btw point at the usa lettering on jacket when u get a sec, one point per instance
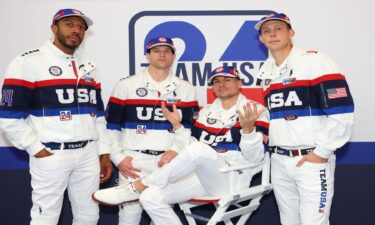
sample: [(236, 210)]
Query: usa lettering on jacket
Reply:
[(66, 96)]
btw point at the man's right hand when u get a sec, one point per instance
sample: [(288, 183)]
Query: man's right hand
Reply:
[(126, 168), (43, 153), (172, 116)]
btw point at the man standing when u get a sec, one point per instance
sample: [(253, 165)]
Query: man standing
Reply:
[(311, 115), (51, 107), (142, 138), (224, 134)]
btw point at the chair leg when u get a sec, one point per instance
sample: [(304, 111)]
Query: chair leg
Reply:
[(187, 212), (217, 217), (243, 219)]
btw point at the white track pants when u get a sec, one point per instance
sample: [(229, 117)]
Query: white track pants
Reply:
[(303, 194), (131, 213), (193, 173), (76, 169)]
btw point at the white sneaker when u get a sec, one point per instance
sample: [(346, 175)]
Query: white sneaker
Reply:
[(116, 195)]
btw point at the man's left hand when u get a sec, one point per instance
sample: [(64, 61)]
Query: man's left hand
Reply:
[(105, 168)]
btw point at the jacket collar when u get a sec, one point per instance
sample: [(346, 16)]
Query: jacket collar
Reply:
[(171, 82), (226, 116), (269, 70), (56, 51)]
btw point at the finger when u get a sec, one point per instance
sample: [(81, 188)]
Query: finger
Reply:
[(163, 107), (161, 160), (167, 160), (261, 111), (130, 167), (239, 113), (302, 161), (131, 174), (160, 163), (133, 169), (246, 110), (123, 173), (174, 108), (105, 176)]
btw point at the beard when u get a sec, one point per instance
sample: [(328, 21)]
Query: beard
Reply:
[(64, 40)]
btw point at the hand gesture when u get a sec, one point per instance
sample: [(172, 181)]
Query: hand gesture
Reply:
[(249, 116), (126, 168), (173, 117)]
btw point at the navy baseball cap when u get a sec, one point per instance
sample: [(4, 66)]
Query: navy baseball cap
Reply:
[(158, 41), (226, 71), (273, 16), (62, 13)]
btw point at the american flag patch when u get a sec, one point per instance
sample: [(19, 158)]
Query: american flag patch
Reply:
[(336, 93)]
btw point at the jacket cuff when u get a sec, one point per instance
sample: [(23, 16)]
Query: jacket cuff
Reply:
[(250, 137), (35, 148), (117, 158), (103, 149), (324, 153)]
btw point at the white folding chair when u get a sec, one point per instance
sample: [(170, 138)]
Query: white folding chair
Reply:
[(228, 207)]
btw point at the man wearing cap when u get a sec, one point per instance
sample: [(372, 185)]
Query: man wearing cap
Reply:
[(142, 139), (52, 108), (224, 134), (311, 115)]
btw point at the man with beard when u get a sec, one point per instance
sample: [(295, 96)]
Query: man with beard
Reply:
[(52, 108)]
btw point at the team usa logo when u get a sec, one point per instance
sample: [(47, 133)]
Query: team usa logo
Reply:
[(220, 149), (88, 78), (289, 81), (211, 121), (141, 129), (267, 82), (290, 117), (173, 100), (55, 70), (195, 32), (65, 115), (141, 92), (323, 190)]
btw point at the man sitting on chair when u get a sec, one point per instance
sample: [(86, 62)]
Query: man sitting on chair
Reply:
[(224, 135)]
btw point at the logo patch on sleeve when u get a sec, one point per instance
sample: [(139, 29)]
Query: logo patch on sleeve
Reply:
[(336, 93), (7, 97)]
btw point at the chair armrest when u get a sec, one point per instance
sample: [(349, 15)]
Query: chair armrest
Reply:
[(241, 167)]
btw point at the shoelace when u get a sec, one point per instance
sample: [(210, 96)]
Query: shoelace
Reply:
[(128, 187)]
